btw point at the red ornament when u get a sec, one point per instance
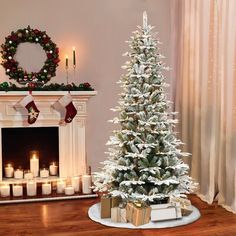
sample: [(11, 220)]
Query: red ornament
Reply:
[(87, 85), (14, 37), (31, 86), (56, 60), (49, 55)]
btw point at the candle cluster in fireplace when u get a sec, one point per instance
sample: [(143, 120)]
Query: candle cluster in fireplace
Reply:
[(32, 188), (34, 170), (26, 183)]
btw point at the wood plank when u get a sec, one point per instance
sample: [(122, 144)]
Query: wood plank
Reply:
[(71, 218)]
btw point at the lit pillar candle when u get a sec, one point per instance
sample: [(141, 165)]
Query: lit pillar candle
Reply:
[(66, 62), (28, 174), (9, 171), (18, 174), (74, 59), (34, 163), (76, 181), (5, 190), (31, 188), (46, 189), (69, 190), (61, 186), (86, 184), (17, 190), (44, 173), (53, 169)]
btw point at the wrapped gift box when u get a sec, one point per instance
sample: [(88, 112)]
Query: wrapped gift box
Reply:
[(105, 207), (115, 201), (185, 205), (108, 202), (167, 211), (138, 213), (123, 218), (118, 214)]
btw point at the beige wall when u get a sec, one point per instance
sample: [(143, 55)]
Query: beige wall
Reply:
[(98, 29)]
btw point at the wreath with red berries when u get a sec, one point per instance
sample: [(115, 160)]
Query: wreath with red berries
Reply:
[(9, 49)]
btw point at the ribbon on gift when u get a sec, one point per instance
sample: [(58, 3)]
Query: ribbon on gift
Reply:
[(139, 204), (138, 212), (184, 203)]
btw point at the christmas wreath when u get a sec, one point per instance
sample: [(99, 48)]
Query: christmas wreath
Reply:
[(12, 67)]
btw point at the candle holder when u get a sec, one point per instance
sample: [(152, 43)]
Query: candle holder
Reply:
[(9, 170), (28, 174), (67, 76), (5, 190), (44, 173), (46, 188), (53, 169), (19, 173), (74, 72), (69, 190), (17, 190), (61, 184), (31, 187), (76, 183)]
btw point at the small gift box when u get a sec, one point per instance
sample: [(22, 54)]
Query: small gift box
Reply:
[(108, 202), (185, 205), (118, 214), (167, 211), (138, 213), (105, 206), (123, 218), (115, 201)]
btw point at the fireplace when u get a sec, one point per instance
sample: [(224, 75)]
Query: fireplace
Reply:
[(69, 149), (18, 143)]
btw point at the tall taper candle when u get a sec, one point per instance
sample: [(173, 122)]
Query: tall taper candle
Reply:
[(74, 60), (66, 62)]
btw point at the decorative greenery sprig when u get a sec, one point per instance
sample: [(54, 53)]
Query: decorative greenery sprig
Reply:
[(5, 86)]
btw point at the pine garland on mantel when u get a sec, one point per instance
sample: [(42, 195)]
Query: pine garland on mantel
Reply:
[(5, 86)]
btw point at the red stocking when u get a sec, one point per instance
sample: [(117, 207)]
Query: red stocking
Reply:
[(66, 102), (33, 111)]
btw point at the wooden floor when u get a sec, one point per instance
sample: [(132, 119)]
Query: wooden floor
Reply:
[(70, 218)]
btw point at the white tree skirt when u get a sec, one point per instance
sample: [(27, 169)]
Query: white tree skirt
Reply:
[(94, 214)]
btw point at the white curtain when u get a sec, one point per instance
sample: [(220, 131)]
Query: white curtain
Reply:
[(204, 33)]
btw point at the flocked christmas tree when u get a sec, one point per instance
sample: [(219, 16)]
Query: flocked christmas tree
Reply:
[(144, 156)]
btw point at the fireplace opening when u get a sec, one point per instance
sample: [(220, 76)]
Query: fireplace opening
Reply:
[(19, 144)]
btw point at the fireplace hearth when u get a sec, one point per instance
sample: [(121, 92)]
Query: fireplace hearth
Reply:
[(18, 143), (53, 140)]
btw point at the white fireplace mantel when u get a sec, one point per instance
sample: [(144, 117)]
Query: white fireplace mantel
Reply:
[(72, 158)]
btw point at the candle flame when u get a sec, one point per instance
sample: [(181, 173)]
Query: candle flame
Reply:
[(73, 48), (67, 57)]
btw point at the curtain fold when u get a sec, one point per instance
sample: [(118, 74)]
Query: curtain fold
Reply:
[(205, 72)]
